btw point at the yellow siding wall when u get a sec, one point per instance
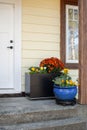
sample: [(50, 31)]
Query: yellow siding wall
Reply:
[(40, 32)]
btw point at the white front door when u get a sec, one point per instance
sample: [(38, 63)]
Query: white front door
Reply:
[(7, 49)]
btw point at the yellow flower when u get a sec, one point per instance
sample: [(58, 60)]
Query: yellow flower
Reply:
[(71, 82), (67, 81), (66, 71), (33, 69), (74, 83), (62, 81), (41, 68), (37, 70)]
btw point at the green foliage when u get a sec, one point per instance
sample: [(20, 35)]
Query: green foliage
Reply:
[(64, 80)]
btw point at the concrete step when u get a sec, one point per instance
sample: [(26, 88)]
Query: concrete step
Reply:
[(25, 114), (9, 118), (26, 111), (64, 124)]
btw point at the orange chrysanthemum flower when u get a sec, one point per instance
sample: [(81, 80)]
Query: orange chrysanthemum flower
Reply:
[(52, 64)]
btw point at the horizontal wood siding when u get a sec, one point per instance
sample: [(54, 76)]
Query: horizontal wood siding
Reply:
[(40, 32)]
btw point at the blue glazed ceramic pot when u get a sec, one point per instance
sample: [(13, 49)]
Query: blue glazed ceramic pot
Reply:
[(65, 93)]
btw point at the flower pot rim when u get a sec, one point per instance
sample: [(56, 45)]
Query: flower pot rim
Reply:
[(65, 87)]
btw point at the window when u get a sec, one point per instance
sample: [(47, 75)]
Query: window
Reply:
[(69, 33)]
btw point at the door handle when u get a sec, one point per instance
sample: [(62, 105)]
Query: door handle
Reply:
[(10, 47)]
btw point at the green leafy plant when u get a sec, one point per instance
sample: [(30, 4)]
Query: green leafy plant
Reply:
[(64, 80)]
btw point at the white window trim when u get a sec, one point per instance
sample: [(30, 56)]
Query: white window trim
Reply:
[(17, 54), (69, 7)]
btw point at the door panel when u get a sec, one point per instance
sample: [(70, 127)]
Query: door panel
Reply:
[(6, 53)]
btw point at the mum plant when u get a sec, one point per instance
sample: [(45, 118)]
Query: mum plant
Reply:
[(48, 65), (64, 80), (52, 64)]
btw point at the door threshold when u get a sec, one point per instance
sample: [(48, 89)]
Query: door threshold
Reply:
[(22, 94)]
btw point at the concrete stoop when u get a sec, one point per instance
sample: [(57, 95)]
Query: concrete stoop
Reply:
[(64, 124), (36, 116), (23, 114)]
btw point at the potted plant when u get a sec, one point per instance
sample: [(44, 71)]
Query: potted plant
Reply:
[(65, 89), (52, 65), (38, 81)]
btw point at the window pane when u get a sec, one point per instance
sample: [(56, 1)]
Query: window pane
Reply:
[(72, 35), (70, 14), (73, 40), (76, 14)]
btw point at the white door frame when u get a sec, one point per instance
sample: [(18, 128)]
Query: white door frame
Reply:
[(17, 47)]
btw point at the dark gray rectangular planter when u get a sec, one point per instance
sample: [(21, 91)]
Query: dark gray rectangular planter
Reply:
[(39, 85)]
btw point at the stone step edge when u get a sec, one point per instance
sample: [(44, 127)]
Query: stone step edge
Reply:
[(46, 124), (37, 116), (26, 110)]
